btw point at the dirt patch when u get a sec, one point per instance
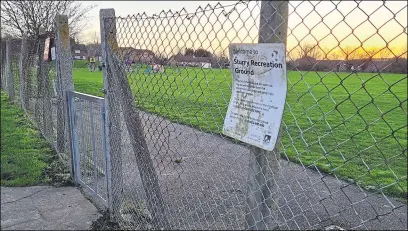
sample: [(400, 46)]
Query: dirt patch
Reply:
[(104, 223), (57, 173)]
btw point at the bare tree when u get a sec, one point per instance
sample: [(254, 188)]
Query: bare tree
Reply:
[(94, 47), (333, 55), (349, 52), (200, 52), (383, 54), (189, 51), (27, 17), (308, 50), (403, 51)]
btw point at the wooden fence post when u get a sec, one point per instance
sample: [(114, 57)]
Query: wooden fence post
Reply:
[(262, 188), (112, 126)]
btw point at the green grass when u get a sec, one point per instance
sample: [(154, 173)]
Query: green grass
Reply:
[(357, 130), (24, 154), (82, 64)]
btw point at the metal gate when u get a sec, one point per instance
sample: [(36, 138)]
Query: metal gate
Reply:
[(87, 130)]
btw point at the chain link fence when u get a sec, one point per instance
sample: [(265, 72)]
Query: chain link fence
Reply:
[(342, 159), (29, 81)]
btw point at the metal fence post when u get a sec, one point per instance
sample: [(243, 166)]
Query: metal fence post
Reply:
[(23, 74), (264, 171), (64, 80), (9, 74), (112, 126), (72, 137)]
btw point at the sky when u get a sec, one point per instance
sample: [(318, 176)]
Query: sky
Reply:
[(329, 24), (125, 8)]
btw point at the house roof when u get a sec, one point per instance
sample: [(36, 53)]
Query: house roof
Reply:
[(191, 59), (378, 63), (94, 50), (78, 47), (135, 51)]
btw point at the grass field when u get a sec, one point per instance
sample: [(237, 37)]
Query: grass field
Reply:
[(353, 125), (24, 154)]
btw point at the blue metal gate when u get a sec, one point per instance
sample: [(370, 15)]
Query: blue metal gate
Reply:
[(88, 144)]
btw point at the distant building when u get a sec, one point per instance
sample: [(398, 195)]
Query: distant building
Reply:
[(191, 60), (94, 50), (393, 65), (137, 55), (79, 51)]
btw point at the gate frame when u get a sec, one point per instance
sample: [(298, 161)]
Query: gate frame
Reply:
[(75, 158)]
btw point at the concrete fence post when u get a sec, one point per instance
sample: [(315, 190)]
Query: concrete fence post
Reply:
[(113, 130), (3, 63), (9, 74), (148, 175), (262, 192), (23, 69), (39, 93), (46, 107), (64, 81)]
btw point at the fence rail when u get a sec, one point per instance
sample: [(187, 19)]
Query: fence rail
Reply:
[(341, 157)]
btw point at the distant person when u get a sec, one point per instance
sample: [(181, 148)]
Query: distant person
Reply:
[(92, 62), (353, 70), (128, 65)]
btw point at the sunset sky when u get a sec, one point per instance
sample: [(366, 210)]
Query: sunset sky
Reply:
[(217, 30)]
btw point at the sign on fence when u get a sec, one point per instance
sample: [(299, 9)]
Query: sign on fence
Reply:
[(47, 49), (258, 93)]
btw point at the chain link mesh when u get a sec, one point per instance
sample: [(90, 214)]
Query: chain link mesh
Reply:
[(342, 159), (3, 66), (343, 156), (33, 79)]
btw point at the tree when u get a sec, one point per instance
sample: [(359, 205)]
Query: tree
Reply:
[(200, 52), (402, 51), (383, 54), (189, 52), (352, 52), (333, 55), (94, 48), (308, 50), (21, 18)]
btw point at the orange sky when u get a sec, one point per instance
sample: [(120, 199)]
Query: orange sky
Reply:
[(330, 23)]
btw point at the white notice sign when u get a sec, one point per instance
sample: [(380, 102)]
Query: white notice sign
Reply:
[(258, 93), (53, 53)]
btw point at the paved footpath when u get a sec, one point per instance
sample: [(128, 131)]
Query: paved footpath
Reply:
[(45, 207)]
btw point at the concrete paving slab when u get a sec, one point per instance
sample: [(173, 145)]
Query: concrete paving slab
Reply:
[(45, 208)]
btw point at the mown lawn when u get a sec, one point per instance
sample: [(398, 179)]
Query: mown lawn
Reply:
[(24, 153), (351, 125)]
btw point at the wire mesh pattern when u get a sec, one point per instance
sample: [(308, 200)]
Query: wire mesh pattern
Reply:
[(33, 82), (87, 116), (3, 66), (342, 159), (343, 156), (15, 47)]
